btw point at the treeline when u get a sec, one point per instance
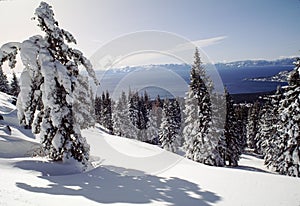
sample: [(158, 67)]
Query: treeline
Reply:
[(197, 124), (273, 127), (138, 117), (208, 126), (12, 88)]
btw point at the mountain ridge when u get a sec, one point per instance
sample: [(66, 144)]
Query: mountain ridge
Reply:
[(232, 64)]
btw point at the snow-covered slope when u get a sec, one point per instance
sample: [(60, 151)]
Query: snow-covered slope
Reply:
[(127, 172)]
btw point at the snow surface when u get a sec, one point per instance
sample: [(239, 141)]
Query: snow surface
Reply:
[(127, 172)]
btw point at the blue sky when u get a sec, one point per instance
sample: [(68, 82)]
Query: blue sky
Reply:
[(239, 29)]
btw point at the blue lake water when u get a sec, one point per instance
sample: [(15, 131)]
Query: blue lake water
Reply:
[(173, 80), (234, 78)]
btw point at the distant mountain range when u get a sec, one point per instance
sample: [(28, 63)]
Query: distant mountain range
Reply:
[(257, 63), (235, 64), (240, 77)]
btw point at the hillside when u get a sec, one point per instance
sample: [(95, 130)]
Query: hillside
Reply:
[(127, 172)]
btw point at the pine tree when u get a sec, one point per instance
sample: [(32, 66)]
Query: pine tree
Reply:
[(155, 119), (232, 134), (119, 115), (200, 145), (288, 161), (48, 85), (241, 113), (98, 109), (14, 86), (169, 130), (122, 126), (218, 123), (265, 126), (269, 145), (134, 109), (152, 130), (106, 112), (83, 103), (139, 107), (157, 108), (8, 52), (252, 126), (4, 86)]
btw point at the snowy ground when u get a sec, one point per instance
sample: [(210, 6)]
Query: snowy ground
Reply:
[(127, 172)]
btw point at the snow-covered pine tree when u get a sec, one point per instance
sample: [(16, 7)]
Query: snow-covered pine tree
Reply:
[(269, 145), (147, 101), (232, 134), (169, 131), (265, 126), (8, 53), (288, 161), (84, 110), (157, 108), (241, 113), (103, 101), (200, 145), (152, 129), (177, 115), (218, 123), (144, 109), (252, 125), (181, 103), (48, 84), (98, 109), (106, 112), (14, 86), (118, 115), (191, 125), (159, 102), (139, 107), (134, 109), (155, 119), (122, 125), (4, 86)]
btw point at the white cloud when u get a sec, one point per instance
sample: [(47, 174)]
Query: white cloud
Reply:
[(210, 41), (199, 43)]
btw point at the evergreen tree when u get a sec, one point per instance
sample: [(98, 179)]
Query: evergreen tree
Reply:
[(98, 109), (152, 129), (159, 102), (139, 107), (200, 145), (122, 125), (119, 116), (269, 145), (265, 125), (14, 86), (157, 108), (232, 134), (241, 113), (48, 85), (134, 112), (288, 157), (106, 112), (4, 86), (218, 123), (169, 130), (252, 126), (83, 103)]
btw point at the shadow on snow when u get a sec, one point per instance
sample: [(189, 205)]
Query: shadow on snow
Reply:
[(103, 185)]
